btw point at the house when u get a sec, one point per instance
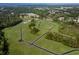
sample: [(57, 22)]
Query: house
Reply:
[(61, 18)]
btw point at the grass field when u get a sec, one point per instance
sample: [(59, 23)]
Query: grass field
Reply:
[(53, 45), (74, 53), (16, 47)]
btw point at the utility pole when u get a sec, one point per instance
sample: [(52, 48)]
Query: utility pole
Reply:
[(21, 35)]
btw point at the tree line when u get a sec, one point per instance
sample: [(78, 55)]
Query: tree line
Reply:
[(6, 20), (68, 41)]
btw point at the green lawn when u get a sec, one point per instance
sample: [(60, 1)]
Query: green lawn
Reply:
[(74, 53), (53, 45), (16, 47), (13, 35)]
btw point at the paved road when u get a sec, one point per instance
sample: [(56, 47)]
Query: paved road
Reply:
[(38, 38), (45, 49), (39, 47), (42, 48), (65, 53), (51, 52), (74, 49)]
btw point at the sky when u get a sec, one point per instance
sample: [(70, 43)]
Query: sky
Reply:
[(39, 1), (41, 4)]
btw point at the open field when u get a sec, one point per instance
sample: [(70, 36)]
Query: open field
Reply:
[(53, 46), (39, 29), (74, 53), (50, 47), (13, 35)]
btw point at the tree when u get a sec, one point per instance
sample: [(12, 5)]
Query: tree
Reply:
[(32, 24), (32, 27), (49, 35), (3, 42), (6, 20), (34, 30), (5, 48)]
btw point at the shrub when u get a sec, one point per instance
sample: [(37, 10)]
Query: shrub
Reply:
[(34, 30)]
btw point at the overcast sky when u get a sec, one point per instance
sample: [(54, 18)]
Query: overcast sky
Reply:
[(39, 1)]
